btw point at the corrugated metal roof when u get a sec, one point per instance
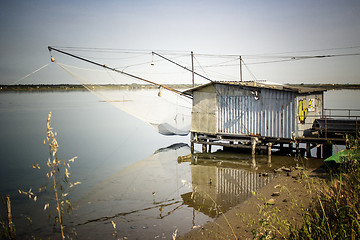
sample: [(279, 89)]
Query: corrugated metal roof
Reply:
[(282, 87)]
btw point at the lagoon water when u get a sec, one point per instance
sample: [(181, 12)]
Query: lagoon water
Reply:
[(130, 174)]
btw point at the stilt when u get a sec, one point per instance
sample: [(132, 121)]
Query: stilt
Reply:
[(204, 148), (291, 148), (194, 159), (318, 151), (308, 151), (269, 152), (192, 136), (281, 147), (253, 148), (297, 148), (327, 150)]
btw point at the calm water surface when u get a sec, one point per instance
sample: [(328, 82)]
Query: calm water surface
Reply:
[(130, 174)]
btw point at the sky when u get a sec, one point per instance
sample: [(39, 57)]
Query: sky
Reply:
[(226, 27)]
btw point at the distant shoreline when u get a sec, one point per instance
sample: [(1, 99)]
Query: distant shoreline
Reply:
[(328, 86), (79, 87)]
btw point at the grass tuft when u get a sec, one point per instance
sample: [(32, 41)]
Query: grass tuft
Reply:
[(336, 211)]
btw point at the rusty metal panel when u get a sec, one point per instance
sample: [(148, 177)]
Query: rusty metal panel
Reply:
[(249, 110)]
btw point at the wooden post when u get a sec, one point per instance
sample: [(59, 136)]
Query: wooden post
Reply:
[(327, 150), (269, 152), (297, 148), (308, 151), (253, 148), (240, 69), (192, 69), (194, 159), (192, 137), (318, 151), (10, 223), (204, 147), (281, 147)]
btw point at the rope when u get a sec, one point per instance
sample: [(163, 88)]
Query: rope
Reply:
[(253, 76), (30, 74), (201, 67)]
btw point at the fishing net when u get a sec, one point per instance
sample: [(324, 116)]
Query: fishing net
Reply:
[(166, 111)]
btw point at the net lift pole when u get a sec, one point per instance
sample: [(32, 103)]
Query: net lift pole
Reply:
[(116, 70), (240, 69), (192, 68)]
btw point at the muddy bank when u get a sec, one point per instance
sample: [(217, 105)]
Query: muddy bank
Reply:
[(270, 210)]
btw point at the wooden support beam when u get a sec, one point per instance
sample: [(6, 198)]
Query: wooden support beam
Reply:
[(308, 152), (253, 148), (318, 151), (327, 150), (192, 147), (204, 148), (194, 159), (291, 148), (224, 144), (297, 148), (269, 152)]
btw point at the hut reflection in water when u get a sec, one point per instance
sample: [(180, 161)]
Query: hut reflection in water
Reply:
[(216, 189)]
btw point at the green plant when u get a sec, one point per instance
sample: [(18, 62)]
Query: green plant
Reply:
[(336, 210), (270, 224)]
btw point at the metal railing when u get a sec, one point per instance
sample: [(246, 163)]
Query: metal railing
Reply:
[(353, 114), (342, 114)]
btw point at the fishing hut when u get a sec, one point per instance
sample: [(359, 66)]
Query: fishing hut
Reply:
[(258, 116)]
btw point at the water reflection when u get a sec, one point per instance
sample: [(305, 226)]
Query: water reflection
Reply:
[(144, 199), (159, 194), (106, 141), (217, 188)]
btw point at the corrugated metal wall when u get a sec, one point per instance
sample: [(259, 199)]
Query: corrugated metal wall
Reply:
[(238, 111)]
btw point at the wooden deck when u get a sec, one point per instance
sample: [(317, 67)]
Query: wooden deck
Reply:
[(323, 140)]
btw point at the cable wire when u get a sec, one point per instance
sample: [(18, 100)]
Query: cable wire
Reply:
[(30, 74)]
